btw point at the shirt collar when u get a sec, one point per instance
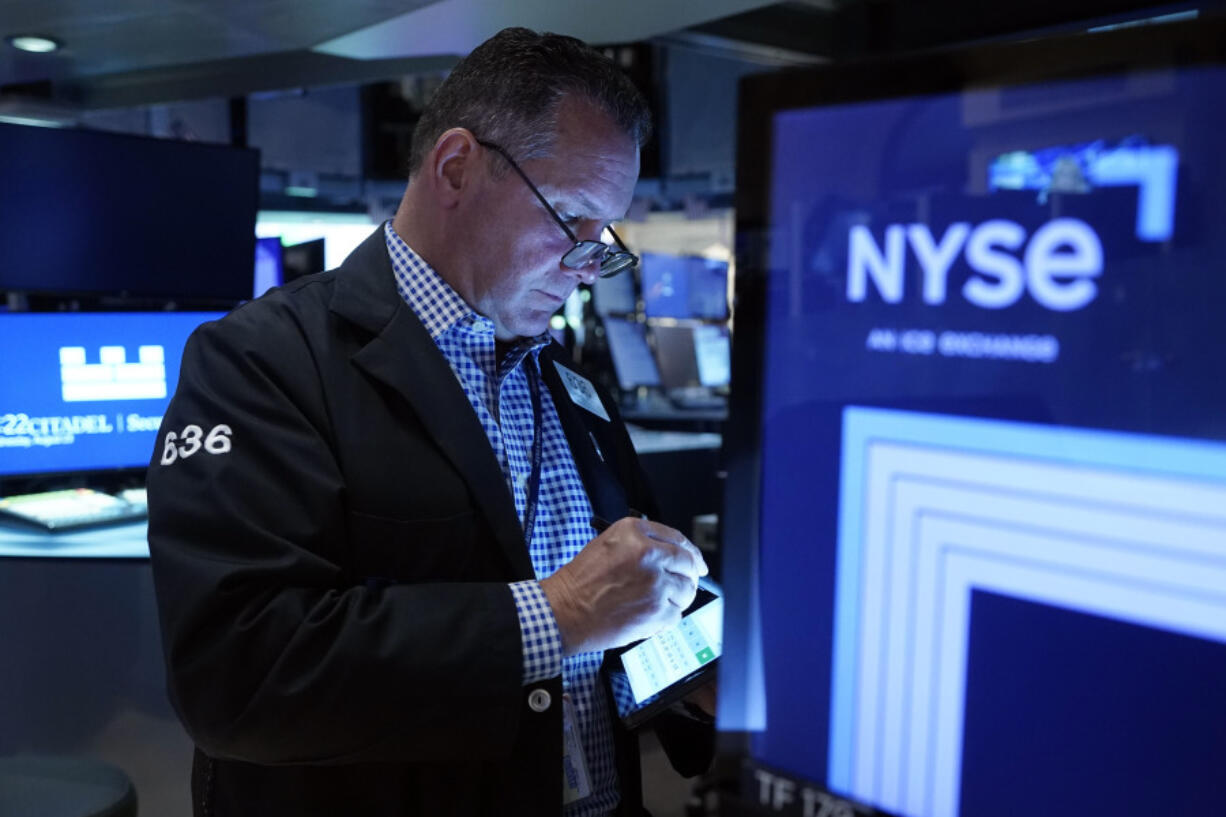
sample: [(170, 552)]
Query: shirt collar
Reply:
[(436, 304), (439, 307)]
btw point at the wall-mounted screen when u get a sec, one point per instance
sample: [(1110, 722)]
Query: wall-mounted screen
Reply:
[(983, 569), (85, 391), (91, 212)]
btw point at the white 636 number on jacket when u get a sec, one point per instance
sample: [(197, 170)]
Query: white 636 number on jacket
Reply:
[(192, 439)]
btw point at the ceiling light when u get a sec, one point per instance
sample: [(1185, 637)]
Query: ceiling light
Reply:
[(34, 44)]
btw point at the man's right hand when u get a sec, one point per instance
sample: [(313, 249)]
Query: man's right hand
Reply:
[(630, 582)]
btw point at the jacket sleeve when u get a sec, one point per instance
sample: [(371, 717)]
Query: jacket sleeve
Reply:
[(275, 653)]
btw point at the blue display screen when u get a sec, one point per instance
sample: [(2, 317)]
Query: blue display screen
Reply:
[(993, 488), (676, 286), (269, 265), (86, 391)]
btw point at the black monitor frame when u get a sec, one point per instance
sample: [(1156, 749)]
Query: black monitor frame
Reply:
[(746, 786), (176, 237)]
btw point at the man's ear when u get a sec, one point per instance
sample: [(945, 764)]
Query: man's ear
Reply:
[(450, 165)]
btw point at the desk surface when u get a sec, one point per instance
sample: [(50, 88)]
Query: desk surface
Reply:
[(651, 441), (111, 542), (665, 412)]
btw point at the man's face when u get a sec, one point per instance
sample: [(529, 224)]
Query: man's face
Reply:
[(516, 277)]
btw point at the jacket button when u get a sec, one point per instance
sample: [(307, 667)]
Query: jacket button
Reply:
[(539, 700)]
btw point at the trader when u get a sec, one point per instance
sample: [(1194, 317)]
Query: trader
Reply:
[(371, 503)]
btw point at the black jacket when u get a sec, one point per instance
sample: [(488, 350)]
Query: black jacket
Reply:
[(331, 547)]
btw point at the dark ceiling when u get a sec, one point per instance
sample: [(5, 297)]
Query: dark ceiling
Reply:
[(141, 52)]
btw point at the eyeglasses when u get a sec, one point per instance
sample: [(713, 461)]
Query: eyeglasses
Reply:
[(612, 261)]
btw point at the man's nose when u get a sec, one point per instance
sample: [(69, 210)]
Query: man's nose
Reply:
[(589, 272)]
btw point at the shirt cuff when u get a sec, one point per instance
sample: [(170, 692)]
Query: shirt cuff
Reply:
[(539, 632)]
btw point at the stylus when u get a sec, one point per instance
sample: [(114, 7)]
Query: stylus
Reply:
[(600, 525)]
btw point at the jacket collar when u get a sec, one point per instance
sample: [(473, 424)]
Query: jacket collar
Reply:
[(402, 355)]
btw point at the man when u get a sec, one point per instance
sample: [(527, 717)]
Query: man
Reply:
[(372, 498)]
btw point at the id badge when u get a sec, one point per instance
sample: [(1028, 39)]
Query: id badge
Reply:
[(581, 391), (575, 781)]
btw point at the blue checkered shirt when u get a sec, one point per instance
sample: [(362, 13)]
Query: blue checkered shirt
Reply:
[(498, 392)]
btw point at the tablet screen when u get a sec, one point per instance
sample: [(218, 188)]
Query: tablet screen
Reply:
[(660, 670)]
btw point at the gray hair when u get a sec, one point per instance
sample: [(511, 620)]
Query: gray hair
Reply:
[(508, 89)]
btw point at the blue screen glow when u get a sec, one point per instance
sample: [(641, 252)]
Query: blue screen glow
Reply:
[(86, 391), (992, 554)]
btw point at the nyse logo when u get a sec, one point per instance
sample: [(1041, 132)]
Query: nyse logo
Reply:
[(1057, 266), (112, 378)]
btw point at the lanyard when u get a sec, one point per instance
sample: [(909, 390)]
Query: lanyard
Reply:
[(538, 447)]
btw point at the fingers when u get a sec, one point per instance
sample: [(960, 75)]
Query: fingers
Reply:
[(632, 580), (682, 556), (680, 562), (680, 590)]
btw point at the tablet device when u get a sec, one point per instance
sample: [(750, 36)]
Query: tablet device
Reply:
[(650, 676)]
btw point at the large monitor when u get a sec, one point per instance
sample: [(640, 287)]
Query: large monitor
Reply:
[(96, 213), (684, 286), (975, 528), (85, 391)]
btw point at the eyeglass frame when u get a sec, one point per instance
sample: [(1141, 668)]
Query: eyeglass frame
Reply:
[(609, 253)]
